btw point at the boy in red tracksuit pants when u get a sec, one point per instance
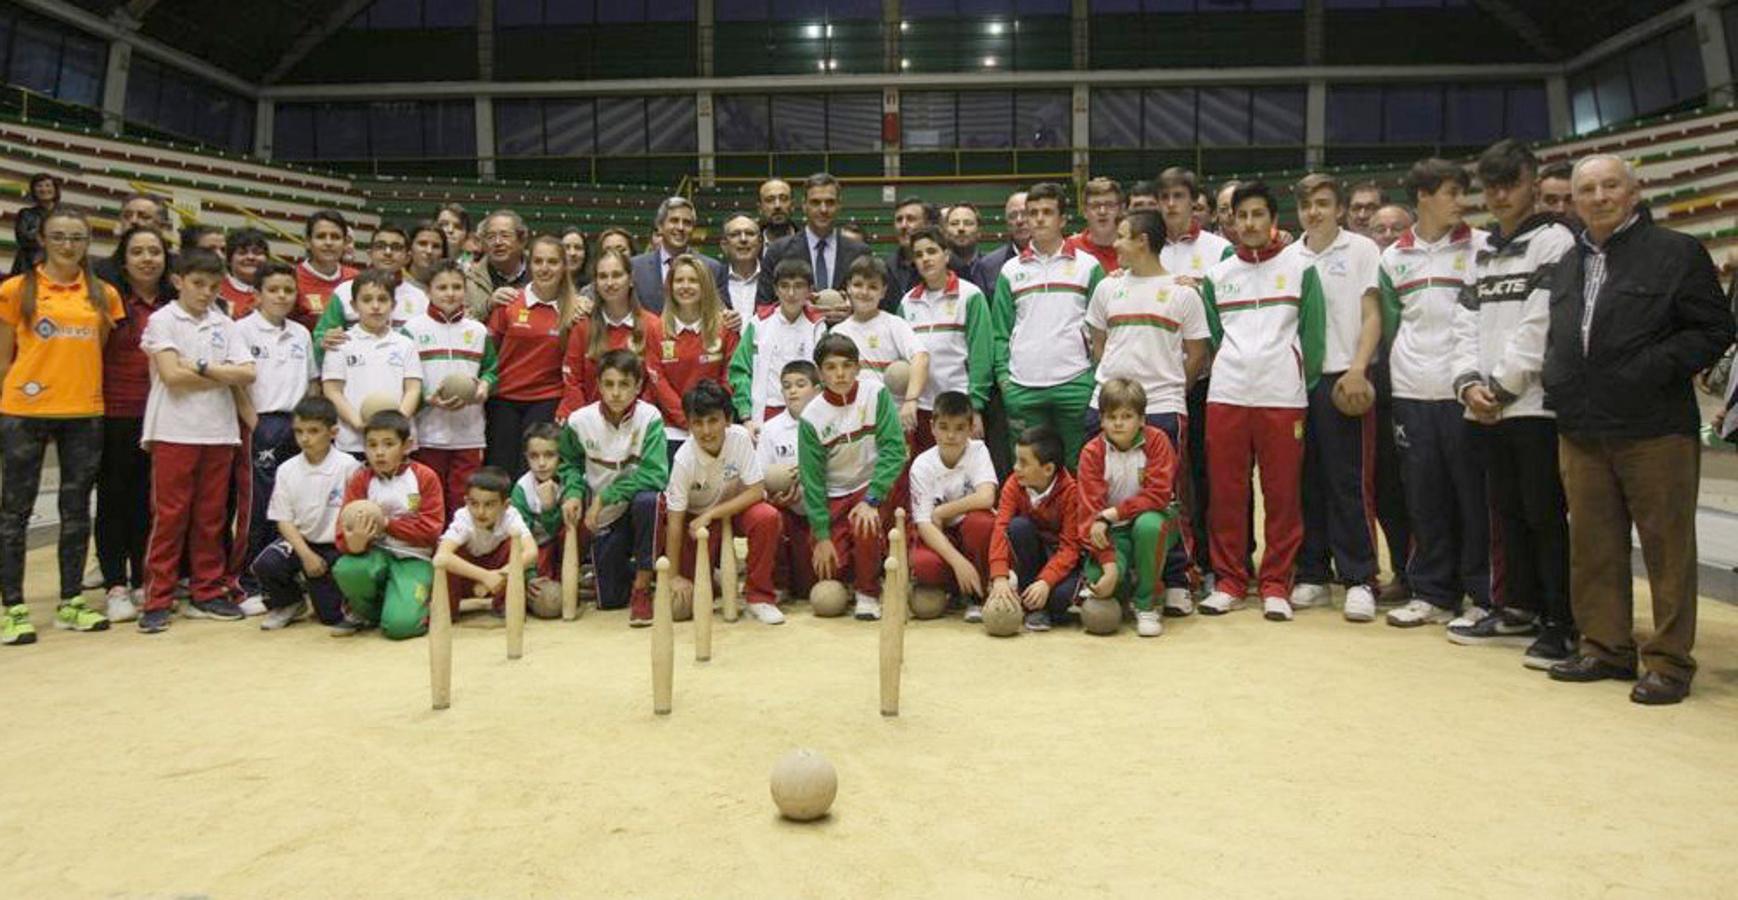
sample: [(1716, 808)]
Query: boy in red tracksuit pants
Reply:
[(1268, 318), (387, 574), (953, 490), (1035, 545)]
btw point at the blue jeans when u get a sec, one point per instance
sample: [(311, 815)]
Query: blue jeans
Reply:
[(628, 545)]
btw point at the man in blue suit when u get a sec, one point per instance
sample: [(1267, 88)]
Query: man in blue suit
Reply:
[(675, 222)]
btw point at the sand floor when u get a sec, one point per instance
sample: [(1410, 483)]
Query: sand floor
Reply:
[(1231, 757)]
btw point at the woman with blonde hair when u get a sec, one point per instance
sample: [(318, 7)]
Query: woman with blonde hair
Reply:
[(697, 346), (617, 322)]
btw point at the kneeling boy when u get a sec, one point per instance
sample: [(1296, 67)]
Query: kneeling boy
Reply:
[(475, 551), (386, 573), (717, 477), (953, 489), (305, 500), (1037, 531), (537, 496), (1126, 513)]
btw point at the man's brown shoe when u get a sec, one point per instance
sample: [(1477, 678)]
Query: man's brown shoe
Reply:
[(1656, 689), (1589, 668)]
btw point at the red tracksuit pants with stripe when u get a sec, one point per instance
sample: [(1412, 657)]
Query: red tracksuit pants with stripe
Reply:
[(971, 537), (190, 493), (1271, 438), (763, 525)]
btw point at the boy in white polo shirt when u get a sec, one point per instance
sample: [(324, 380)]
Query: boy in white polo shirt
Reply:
[(284, 372), (951, 318), (304, 505), (883, 338), (1151, 328), (1339, 537), (376, 359), (449, 430), (614, 464), (777, 335), (1041, 357), (715, 477), (953, 498), (389, 252), (1265, 307), (474, 549), (192, 430), (777, 447)]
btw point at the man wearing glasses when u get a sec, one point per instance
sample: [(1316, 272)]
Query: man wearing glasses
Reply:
[(503, 272), (1103, 208), (741, 246)]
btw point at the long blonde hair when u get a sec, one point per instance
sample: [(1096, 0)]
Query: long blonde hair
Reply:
[(596, 342), (567, 299), (711, 313)]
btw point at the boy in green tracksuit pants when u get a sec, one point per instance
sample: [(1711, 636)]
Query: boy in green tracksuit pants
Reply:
[(1126, 512), (386, 570), (614, 466), (850, 450)]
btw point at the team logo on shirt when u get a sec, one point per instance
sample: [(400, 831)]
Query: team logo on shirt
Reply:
[(1460, 264), (335, 496), (412, 501), (1195, 262), (425, 338), (1279, 283), (258, 352), (46, 329), (467, 338), (524, 316), (669, 349), (874, 342), (351, 359), (947, 308), (315, 302), (1337, 268), (395, 359), (296, 352)]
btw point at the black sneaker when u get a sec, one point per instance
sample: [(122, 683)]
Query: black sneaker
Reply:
[(1505, 626), (154, 620), (218, 608), (1554, 645)]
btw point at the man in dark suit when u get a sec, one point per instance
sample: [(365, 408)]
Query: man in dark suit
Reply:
[(818, 244), (675, 222), (1018, 236)]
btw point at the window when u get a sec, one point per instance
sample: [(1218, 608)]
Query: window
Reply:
[(1133, 118), (1142, 34), (985, 35), (384, 129), (986, 120), (184, 106), (798, 37), (534, 13), (1645, 79), (585, 126), (49, 58), (400, 15), (1467, 115), (806, 123), (561, 40)]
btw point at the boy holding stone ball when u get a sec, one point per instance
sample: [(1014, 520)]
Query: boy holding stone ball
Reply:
[(777, 451), (386, 573), (475, 551), (1127, 518), (458, 372), (1037, 533), (953, 493)]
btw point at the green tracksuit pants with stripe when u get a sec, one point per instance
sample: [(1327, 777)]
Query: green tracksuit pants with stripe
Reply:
[(1144, 543), (1060, 406), (391, 590)]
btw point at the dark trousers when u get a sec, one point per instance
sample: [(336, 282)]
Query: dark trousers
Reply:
[(626, 546), (1179, 557), (996, 436), (504, 424), (123, 504), (274, 442), (1445, 502), (1195, 456), (1338, 492), (1651, 483), (1390, 493), (1532, 527), (23, 442), (1031, 554), (282, 581)]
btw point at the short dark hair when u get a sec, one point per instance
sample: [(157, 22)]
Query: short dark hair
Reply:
[(930, 213), (1046, 444), (492, 479), (801, 367), (325, 215), (1560, 169), (190, 235), (316, 408), (1363, 186), (198, 260), (1255, 190), (272, 268), (928, 233), (1315, 181), (627, 362), (245, 239), (790, 267), (964, 204), (1048, 190), (1150, 224), (388, 420), (819, 179), (1177, 176), (868, 266), (386, 281), (1506, 162), (1144, 188), (952, 404), (542, 431), (457, 210), (705, 398), (445, 266), (390, 228), (836, 344), (1427, 176)]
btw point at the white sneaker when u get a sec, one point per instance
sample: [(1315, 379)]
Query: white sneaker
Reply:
[(868, 608), (254, 605), (766, 613), (1178, 603), (1418, 612), (121, 607), (1360, 604), (1219, 603), (1304, 596), (974, 613), (1148, 623), (1472, 616), (275, 619), (1276, 609)]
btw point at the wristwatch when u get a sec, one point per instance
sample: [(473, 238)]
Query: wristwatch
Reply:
[(874, 502), (202, 366)]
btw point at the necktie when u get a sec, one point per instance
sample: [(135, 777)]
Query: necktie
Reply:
[(822, 281)]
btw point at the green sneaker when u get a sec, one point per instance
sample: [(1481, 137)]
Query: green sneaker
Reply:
[(15, 627), (75, 616)]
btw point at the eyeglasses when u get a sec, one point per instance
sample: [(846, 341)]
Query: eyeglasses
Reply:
[(389, 246), (500, 236), (1104, 206), (60, 237)]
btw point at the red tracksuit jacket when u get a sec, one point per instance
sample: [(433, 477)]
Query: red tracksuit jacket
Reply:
[(1057, 518), (1140, 475)]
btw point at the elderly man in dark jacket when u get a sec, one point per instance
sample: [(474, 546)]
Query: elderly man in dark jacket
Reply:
[(1636, 312)]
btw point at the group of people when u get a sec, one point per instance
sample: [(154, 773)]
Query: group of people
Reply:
[(1063, 416)]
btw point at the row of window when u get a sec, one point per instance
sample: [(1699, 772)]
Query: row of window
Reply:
[(168, 100), (1644, 79), (50, 58)]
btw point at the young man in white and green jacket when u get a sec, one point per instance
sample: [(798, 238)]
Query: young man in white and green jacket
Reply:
[(1042, 364), (850, 450)]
